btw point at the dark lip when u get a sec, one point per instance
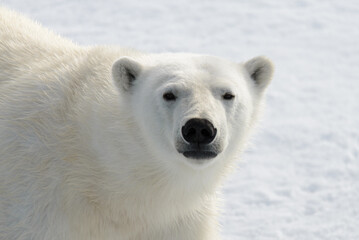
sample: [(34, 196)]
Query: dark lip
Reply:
[(200, 154)]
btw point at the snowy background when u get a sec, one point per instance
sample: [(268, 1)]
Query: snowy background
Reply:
[(300, 177)]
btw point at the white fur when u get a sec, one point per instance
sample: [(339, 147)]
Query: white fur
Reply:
[(86, 155)]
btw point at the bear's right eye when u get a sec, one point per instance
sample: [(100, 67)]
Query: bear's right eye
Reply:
[(169, 96)]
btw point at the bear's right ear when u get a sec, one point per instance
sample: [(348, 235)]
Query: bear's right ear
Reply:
[(124, 72)]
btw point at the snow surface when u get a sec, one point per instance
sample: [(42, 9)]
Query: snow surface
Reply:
[(300, 177)]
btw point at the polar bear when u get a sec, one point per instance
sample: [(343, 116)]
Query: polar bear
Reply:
[(110, 143)]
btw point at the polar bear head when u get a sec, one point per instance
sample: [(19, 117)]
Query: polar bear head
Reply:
[(189, 108)]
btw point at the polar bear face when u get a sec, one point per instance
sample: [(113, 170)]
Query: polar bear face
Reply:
[(192, 109)]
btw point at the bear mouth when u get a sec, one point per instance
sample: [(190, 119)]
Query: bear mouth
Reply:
[(199, 154), (198, 151)]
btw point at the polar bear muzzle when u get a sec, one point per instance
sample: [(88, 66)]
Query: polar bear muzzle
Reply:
[(199, 134)]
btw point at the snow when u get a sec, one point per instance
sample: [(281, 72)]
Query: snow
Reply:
[(300, 177)]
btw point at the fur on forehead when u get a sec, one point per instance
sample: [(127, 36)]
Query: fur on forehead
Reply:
[(179, 60), (187, 65)]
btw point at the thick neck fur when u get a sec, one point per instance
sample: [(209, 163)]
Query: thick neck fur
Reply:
[(120, 195)]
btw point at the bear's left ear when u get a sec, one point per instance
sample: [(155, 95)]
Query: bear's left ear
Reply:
[(125, 71), (260, 70)]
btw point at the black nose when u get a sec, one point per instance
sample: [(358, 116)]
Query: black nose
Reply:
[(199, 131)]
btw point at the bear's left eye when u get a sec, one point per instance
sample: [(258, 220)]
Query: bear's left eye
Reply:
[(169, 96), (228, 96)]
